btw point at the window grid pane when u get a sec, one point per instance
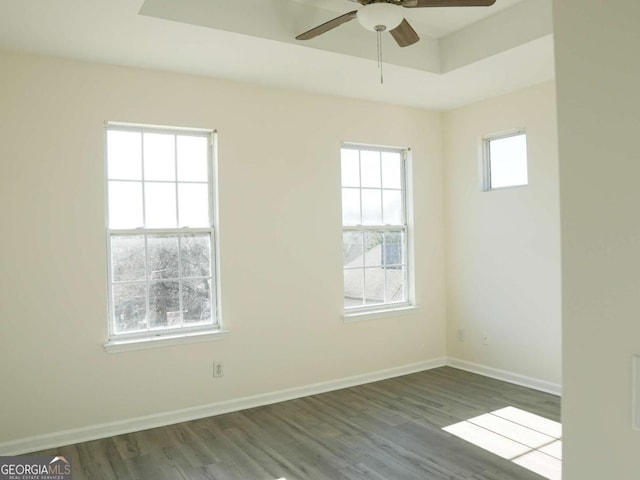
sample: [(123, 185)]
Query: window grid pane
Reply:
[(160, 279), (126, 204), (129, 307), (124, 157), (374, 227), (159, 157)]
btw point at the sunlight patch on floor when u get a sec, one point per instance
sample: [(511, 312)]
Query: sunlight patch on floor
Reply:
[(529, 440)]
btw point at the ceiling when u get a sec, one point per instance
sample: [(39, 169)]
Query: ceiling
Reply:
[(465, 54), (438, 22)]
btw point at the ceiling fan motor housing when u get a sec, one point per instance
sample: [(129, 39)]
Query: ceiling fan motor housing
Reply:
[(379, 17)]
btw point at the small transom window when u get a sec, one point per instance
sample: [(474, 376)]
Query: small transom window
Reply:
[(505, 160)]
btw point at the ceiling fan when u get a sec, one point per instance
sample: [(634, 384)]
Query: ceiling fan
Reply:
[(383, 15)]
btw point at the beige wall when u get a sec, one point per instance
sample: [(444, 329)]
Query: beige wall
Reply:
[(598, 75), (280, 231), (503, 246)]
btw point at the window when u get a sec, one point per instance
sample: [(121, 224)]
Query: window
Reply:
[(161, 236), (374, 227), (505, 160)]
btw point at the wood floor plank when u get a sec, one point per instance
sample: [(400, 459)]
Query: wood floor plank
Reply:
[(274, 459), (131, 445), (360, 471), (225, 450), (97, 459), (387, 430), (190, 445), (377, 450)]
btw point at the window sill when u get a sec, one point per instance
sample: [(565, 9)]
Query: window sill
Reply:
[(118, 346), (353, 317)]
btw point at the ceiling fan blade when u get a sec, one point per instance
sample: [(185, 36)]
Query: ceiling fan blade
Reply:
[(325, 27), (404, 34), (446, 3)]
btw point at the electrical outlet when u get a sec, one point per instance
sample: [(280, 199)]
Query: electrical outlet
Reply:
[(461, 334), (218, 369), (485, 338)]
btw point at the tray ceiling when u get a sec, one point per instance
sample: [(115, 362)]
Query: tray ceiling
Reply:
[(465, 54)]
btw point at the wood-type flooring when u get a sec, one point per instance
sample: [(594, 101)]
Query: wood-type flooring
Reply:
[(387, 430)]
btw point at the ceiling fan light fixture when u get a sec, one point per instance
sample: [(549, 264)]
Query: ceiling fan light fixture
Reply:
[(380, 16)]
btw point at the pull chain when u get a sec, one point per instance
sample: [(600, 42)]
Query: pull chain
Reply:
[(379, 30)]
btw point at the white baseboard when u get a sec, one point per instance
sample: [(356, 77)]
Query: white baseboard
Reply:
[(523, 380), (94, 432)]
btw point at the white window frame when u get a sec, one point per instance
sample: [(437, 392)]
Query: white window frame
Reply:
[(486, 158), (151, 338), (383, 310)]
